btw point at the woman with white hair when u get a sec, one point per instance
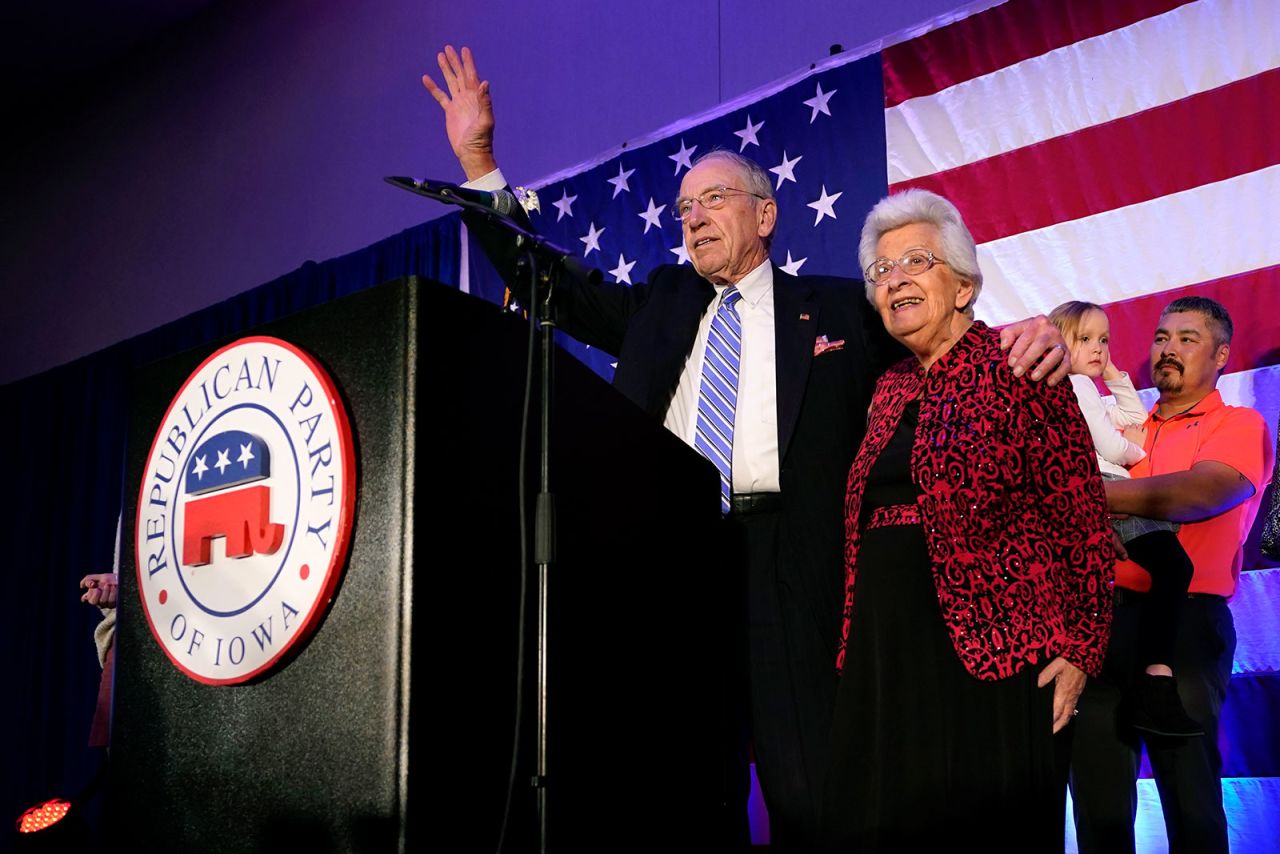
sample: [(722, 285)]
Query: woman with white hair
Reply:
[(978, 569)]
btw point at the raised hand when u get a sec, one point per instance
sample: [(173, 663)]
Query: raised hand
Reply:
[(468, 111)]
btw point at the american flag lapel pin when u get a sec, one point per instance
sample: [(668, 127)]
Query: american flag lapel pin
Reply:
[(804, 315)]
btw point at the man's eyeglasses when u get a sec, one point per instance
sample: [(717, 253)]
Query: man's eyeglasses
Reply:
[(913, 263), (711, 200)]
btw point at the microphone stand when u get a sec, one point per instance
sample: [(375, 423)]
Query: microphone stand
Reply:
[(556, 262), (544, 537)]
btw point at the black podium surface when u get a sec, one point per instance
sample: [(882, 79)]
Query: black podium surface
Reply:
[(391, 728)]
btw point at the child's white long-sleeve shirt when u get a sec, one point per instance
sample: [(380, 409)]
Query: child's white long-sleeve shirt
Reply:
[(1105, 421)]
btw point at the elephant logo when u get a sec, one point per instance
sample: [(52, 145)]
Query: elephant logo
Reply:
[(221, 463)]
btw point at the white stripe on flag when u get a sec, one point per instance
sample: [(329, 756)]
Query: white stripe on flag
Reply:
[(1176, 240), (1256, 608), (1257, 389), (1191, 49)]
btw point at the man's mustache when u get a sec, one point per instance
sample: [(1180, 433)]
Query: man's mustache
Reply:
[(1168, 363)]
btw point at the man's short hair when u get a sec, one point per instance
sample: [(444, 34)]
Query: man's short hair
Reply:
[(1215, 312), (757, 180)]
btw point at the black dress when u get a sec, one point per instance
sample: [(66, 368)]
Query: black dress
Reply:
[(922, 753)]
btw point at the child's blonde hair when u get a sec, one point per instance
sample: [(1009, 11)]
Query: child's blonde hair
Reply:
[(1067, 317)]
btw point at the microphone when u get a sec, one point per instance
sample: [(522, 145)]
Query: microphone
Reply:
[(500, 201)]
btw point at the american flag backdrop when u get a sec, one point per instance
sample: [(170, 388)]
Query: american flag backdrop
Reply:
[(1125, 152), (821, 138)]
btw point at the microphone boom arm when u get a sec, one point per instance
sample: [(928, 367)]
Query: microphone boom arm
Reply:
[(529, 241)]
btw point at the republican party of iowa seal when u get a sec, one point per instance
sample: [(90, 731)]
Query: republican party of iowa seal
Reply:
[(245, 511)]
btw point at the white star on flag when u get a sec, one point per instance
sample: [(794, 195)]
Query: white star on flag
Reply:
[(792, 267), (592, 239), (200, 468), (620, 183), (622, 272), (652, 217), (819, 102), (223, 460), (246, 454), (786, 169), (748, 134), (825, 205), (683, 157), (773, 130), (565, 205)]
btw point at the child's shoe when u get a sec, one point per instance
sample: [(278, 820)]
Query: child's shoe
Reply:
[(1154, 707)]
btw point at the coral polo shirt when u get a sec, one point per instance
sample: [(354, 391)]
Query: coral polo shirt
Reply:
[(1210, 431)]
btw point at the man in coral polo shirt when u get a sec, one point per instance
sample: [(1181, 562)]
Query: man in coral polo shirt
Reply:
[(1206, 467)]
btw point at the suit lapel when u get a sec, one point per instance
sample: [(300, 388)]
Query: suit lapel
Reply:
[(795, 321), (674, 339)]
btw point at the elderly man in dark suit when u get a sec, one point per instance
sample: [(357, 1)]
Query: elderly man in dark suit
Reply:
[(769, 375)]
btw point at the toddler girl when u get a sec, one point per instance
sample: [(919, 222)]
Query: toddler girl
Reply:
[(1118, 436)]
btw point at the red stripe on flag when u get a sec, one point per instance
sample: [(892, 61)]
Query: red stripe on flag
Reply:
[(1251, 298), (1198, 140), (1000, 37)]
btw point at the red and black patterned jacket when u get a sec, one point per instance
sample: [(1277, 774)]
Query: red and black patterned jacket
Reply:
[(1012, 506)]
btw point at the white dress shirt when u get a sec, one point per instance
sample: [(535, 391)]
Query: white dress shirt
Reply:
[(755, 427), (488, 182)]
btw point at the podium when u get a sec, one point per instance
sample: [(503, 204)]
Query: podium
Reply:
[(391, 727)]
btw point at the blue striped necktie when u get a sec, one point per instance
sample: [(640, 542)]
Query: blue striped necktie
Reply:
[(718, 394)]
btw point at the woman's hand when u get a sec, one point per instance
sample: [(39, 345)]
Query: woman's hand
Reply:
[(99, 589), (1068, 682)]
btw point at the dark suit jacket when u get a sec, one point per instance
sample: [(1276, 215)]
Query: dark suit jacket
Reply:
[(822, 400)]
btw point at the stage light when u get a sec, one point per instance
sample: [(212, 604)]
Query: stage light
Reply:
[(43, 815)]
